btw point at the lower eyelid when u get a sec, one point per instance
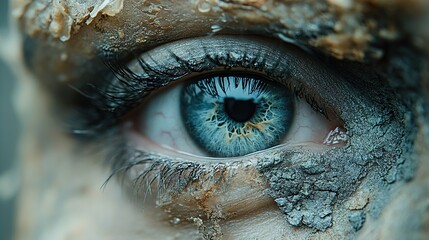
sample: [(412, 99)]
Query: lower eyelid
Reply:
[(156, 178), (146, 147)]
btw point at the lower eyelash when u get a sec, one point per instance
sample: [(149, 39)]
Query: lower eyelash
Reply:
[(147, 173)]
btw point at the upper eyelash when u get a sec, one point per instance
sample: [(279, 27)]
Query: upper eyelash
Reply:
[(124, 73), (112, 96), (249, 84)]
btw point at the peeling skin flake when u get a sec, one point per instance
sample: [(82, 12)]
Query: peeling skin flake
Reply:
[(336, 136), (108, 7), (62, 18)]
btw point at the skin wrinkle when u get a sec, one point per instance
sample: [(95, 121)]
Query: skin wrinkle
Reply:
[(312, 191)]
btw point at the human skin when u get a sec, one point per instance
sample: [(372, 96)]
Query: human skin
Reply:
[(360, 191)]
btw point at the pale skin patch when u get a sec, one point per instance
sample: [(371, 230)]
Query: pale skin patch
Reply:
[(61, 19)]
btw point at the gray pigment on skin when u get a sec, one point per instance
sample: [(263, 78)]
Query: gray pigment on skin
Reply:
[(309, 188)]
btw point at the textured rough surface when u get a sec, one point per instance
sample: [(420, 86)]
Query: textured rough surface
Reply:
[(62, 18), (355, 192), (357, 219), (306, 186), (345, 29)]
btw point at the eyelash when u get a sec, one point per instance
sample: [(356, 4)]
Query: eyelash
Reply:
[(249, 84), (124, 88), (164, 173)]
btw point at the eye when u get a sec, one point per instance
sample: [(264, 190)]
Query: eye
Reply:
[(229, 114), (228, 102)]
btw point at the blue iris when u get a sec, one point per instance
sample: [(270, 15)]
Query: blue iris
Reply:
[(233, 115)]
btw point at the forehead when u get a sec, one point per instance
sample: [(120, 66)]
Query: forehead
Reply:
[(342, 28)]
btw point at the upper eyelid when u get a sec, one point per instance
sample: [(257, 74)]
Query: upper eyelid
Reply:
[(146, 70), (298, 67), (116, 95)]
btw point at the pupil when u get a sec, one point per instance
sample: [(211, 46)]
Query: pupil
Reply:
[(239, 110)]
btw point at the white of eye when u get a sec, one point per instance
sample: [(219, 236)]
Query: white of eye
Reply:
[(161, 128)]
